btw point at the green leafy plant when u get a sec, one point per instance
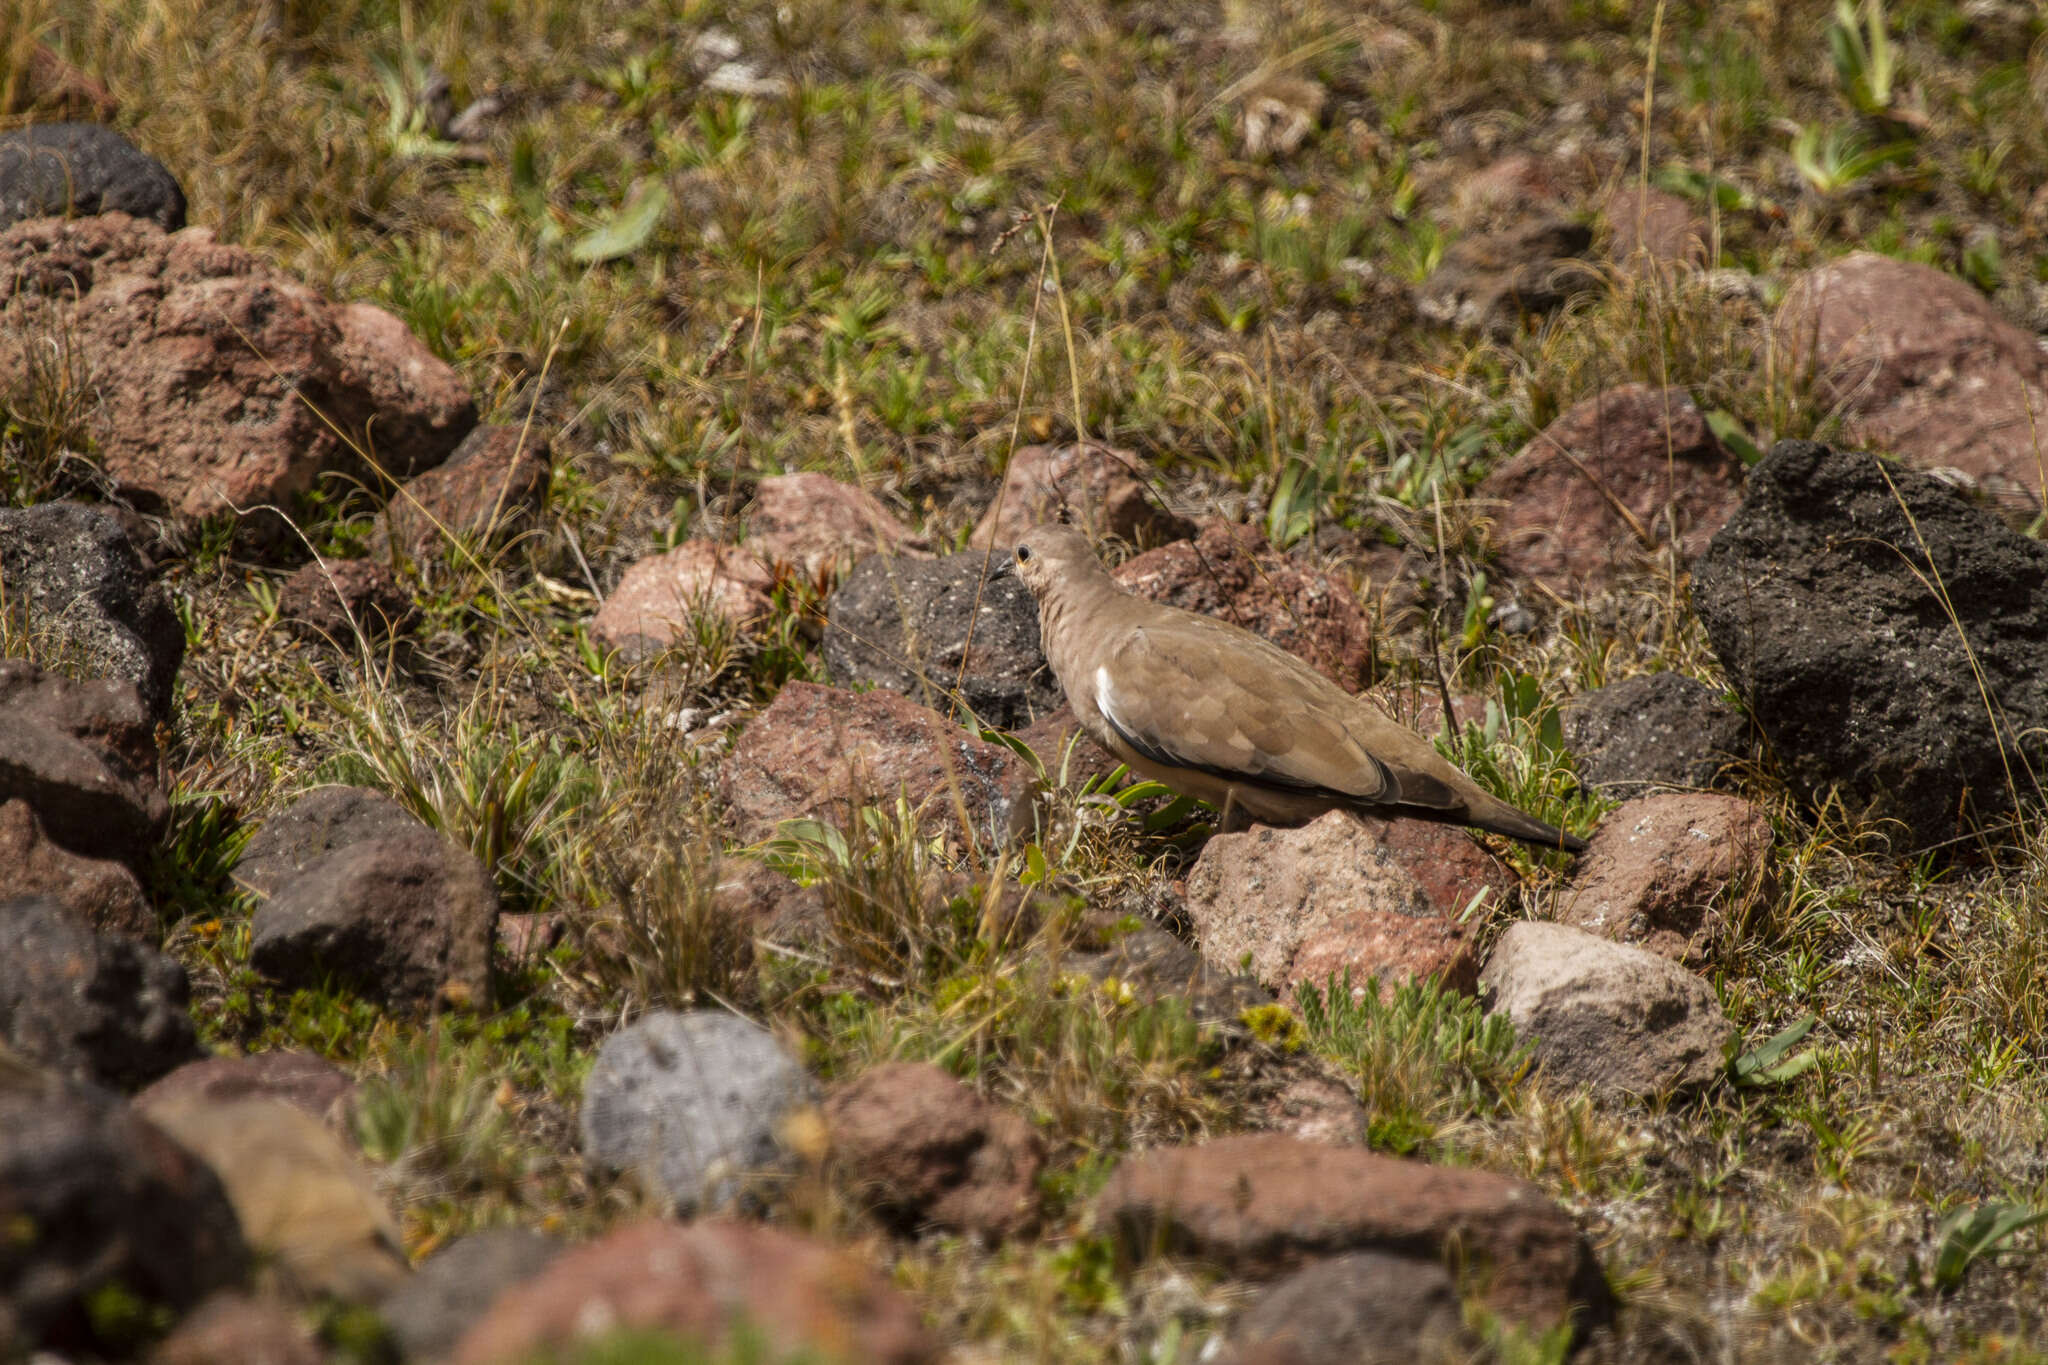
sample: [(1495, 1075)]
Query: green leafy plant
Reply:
[(1832, 159), (1730, 432), (1772, 1061), (628, 228), (1969, 1233), (1865, 61)]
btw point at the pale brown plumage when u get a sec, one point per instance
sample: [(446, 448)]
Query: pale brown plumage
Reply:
[(1214, 711)]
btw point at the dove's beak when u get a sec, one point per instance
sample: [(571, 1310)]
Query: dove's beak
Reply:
[(1004, 567)]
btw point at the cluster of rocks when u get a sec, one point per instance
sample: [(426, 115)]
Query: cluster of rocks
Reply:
[(1878, 625)]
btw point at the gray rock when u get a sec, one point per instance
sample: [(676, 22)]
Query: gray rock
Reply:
[(1652, 732), (1362, 1308), (98, 1007), (84, 757), (94, 1196), (432, 1310), (691, 1103), (1818, 598), (74, 572), (1605, 1014), (900, 623), (64, 170)]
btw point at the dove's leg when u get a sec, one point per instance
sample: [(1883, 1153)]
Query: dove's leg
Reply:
[(1235, 818)]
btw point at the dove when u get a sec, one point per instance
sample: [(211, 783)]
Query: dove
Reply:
[(1214, 711)]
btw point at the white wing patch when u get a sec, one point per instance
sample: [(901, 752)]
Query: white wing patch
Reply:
[(1105, 701)]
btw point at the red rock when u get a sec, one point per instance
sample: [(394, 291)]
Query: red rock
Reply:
[(54, 87), (1605, 1014), (101, 891), (1264, 1204), (765, 902), (1922, 366), (1661, 867), (1064, 749), (526, 938), (1661, 226), (1341, 894), (344, 602), (1315, 1108), (819, 525), (1103, 489), (925, 1149), (84, 757), (1229, 571), (816, 748), (652, 606), (231, 1329), (223, 382), (1648, 450), (699, 1282), (494, 484)]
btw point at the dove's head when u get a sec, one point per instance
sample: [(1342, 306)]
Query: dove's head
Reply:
[(1050, 554)]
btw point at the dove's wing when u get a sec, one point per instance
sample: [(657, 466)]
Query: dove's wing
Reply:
[(1187, 691)]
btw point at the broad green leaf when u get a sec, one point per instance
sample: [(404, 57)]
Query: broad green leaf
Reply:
[(627, 230), (1767, 1064), (1967, 1234)]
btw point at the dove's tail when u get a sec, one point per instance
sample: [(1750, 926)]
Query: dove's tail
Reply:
[(1521, 825), (1495, 817)]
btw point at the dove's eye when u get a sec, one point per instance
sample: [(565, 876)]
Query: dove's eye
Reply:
[(1023, 553)]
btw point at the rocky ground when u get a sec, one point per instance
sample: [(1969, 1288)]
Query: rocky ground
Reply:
[(528, 834)]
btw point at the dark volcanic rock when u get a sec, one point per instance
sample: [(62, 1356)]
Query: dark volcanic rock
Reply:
[(1364, 1308), (902, 624), (407, 920), (96, 1007), (63, 170), (1652, 731), (94, 1196), (72, 571), (1821, 600), (452, 1290), (358, 890)]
